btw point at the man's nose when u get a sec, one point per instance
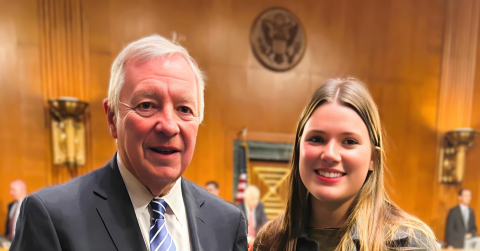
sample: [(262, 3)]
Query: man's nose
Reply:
[(167, 122)]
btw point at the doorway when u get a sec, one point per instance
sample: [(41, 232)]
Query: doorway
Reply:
[(270, 177)]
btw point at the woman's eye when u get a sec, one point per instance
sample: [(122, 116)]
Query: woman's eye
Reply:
[(185, 109), (351, 142), (316, 139), (146, 105)]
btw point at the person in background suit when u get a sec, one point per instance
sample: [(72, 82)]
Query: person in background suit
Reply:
[(254, 210), (139, 200), (18, 191), (460, 221), (212, 187)]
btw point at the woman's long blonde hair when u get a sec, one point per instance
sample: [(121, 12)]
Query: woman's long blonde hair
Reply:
[(373, 218)]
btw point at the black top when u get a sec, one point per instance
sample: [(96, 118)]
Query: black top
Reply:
[(326, 238)]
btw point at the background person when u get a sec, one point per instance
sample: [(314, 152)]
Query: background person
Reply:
[(254, 210), (460, 221), (337, 199), (18, 191), (212, 187)]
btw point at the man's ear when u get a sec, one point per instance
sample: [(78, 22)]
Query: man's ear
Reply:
[(112, 126)]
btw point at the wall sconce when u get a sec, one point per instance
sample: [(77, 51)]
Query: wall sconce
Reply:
[(453, 154), (68, 132)]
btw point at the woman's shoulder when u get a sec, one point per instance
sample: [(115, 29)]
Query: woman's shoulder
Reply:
[(405, 230), (414, 237)]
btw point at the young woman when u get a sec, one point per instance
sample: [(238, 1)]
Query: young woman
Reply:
[(337, 199)]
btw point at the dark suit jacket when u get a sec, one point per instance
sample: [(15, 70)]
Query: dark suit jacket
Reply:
[(94, 213), (8, 218), (455, 229), (260, 216)]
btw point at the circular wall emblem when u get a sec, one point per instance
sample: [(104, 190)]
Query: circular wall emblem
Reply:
[(277, 39)]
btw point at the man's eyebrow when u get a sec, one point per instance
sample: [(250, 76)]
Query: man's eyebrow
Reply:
[(144, 93), (152, 94), (186, 99)]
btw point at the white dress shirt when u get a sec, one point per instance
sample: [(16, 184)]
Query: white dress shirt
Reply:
[(175, 216), (465, 214)]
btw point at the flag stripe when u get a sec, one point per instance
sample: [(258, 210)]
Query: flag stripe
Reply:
[(243, 175)]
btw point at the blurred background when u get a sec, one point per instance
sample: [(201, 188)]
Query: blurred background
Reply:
[(419, 60)]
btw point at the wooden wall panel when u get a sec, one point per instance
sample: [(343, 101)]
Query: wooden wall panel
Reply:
[(22, 120), (456, 96), (64, 59), (100, 58), (473, 155), (395, 47)]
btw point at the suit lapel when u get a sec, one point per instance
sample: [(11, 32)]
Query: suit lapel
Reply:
[(116, 210), (197, 226)]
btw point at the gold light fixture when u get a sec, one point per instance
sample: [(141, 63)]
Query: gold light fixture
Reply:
[(453, 154), (68, 132)]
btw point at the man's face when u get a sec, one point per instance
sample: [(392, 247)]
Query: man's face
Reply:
[(158, 124), (252, 201), (466, 197), (16, 191), (212, 189)]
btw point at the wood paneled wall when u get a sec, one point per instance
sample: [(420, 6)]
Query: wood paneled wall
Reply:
[(456, 96), (64, 64), (395, 47), (23, 129)]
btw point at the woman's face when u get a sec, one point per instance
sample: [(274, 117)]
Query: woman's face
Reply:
[(335, 153)]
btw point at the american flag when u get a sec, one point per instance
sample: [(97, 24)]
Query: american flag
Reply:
[(242, 177)]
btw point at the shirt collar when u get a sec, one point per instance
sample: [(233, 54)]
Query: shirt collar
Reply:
[(174, 199), (141, 196)]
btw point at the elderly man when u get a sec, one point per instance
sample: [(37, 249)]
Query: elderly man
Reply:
[(18, 191), (254, 210), (139, 201)]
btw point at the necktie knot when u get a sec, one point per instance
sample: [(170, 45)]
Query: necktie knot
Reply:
[(158, 206)]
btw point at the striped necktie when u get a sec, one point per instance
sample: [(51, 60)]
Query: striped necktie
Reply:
[(160, 239)]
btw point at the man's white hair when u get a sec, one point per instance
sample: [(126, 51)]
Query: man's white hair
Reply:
[(143, 50), (20, 183), (251, 191)]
